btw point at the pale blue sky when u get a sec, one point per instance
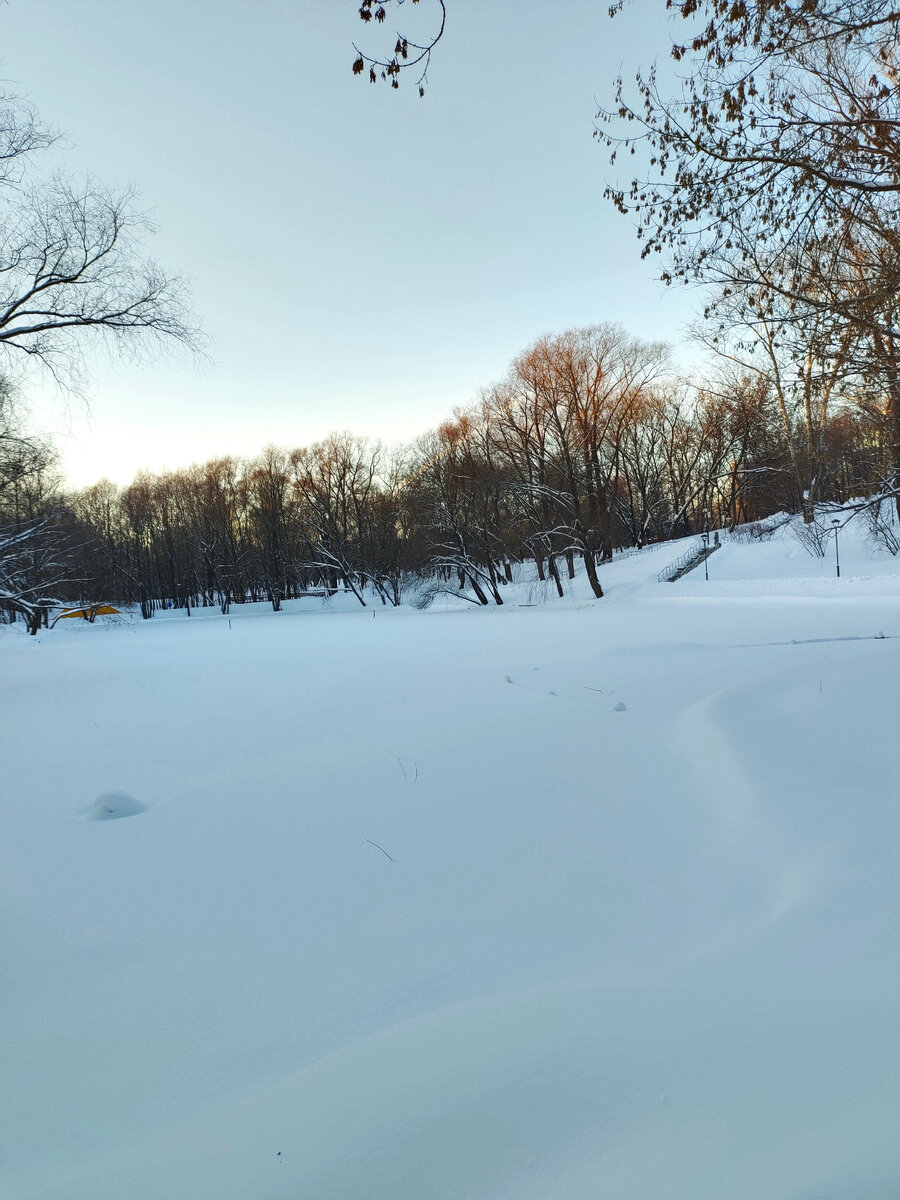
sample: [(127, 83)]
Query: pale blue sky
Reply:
[(360, 258)]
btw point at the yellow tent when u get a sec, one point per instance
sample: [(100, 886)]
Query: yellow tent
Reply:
[(89, 613)]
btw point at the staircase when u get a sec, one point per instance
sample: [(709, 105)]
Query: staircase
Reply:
[(689, 560)]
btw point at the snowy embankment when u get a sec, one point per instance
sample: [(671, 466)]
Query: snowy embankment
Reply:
[(534, 903)]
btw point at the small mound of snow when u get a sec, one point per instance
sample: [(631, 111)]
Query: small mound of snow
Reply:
[(113, 805)]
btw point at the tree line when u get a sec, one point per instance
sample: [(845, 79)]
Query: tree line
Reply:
[(590, 443), (768, 174)]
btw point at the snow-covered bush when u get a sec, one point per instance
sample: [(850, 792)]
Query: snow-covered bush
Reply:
[(760, 531), (813, 535)]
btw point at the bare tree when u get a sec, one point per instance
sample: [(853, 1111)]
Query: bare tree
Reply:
[(35, 571), (787, 116), (70, 265), (22, 134), (34, 555), (803, 361), (456, 503), (587, 382)]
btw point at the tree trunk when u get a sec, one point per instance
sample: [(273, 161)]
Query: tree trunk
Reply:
[(554, 574), (478, 590), (493, 574), (591, 567)]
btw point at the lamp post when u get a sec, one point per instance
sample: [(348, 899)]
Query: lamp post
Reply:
[(837, 556), (705, 536)]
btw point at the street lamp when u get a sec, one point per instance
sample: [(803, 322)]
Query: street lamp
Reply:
[(837, 556), (705, 536)]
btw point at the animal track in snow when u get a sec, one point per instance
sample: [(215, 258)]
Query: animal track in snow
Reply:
[(568, 690)]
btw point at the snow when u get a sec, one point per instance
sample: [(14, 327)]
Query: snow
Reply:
[(574, 899), (112, 806)]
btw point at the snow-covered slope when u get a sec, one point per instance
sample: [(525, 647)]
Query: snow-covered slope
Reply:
[(548, 902)]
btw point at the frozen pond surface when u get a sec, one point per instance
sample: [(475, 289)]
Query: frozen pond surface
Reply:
[(535, 903)]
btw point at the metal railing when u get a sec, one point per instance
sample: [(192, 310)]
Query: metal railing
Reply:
[(631, 551), (690, 559)]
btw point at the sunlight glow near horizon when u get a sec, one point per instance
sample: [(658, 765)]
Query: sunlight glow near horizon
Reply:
[(361, 259)]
